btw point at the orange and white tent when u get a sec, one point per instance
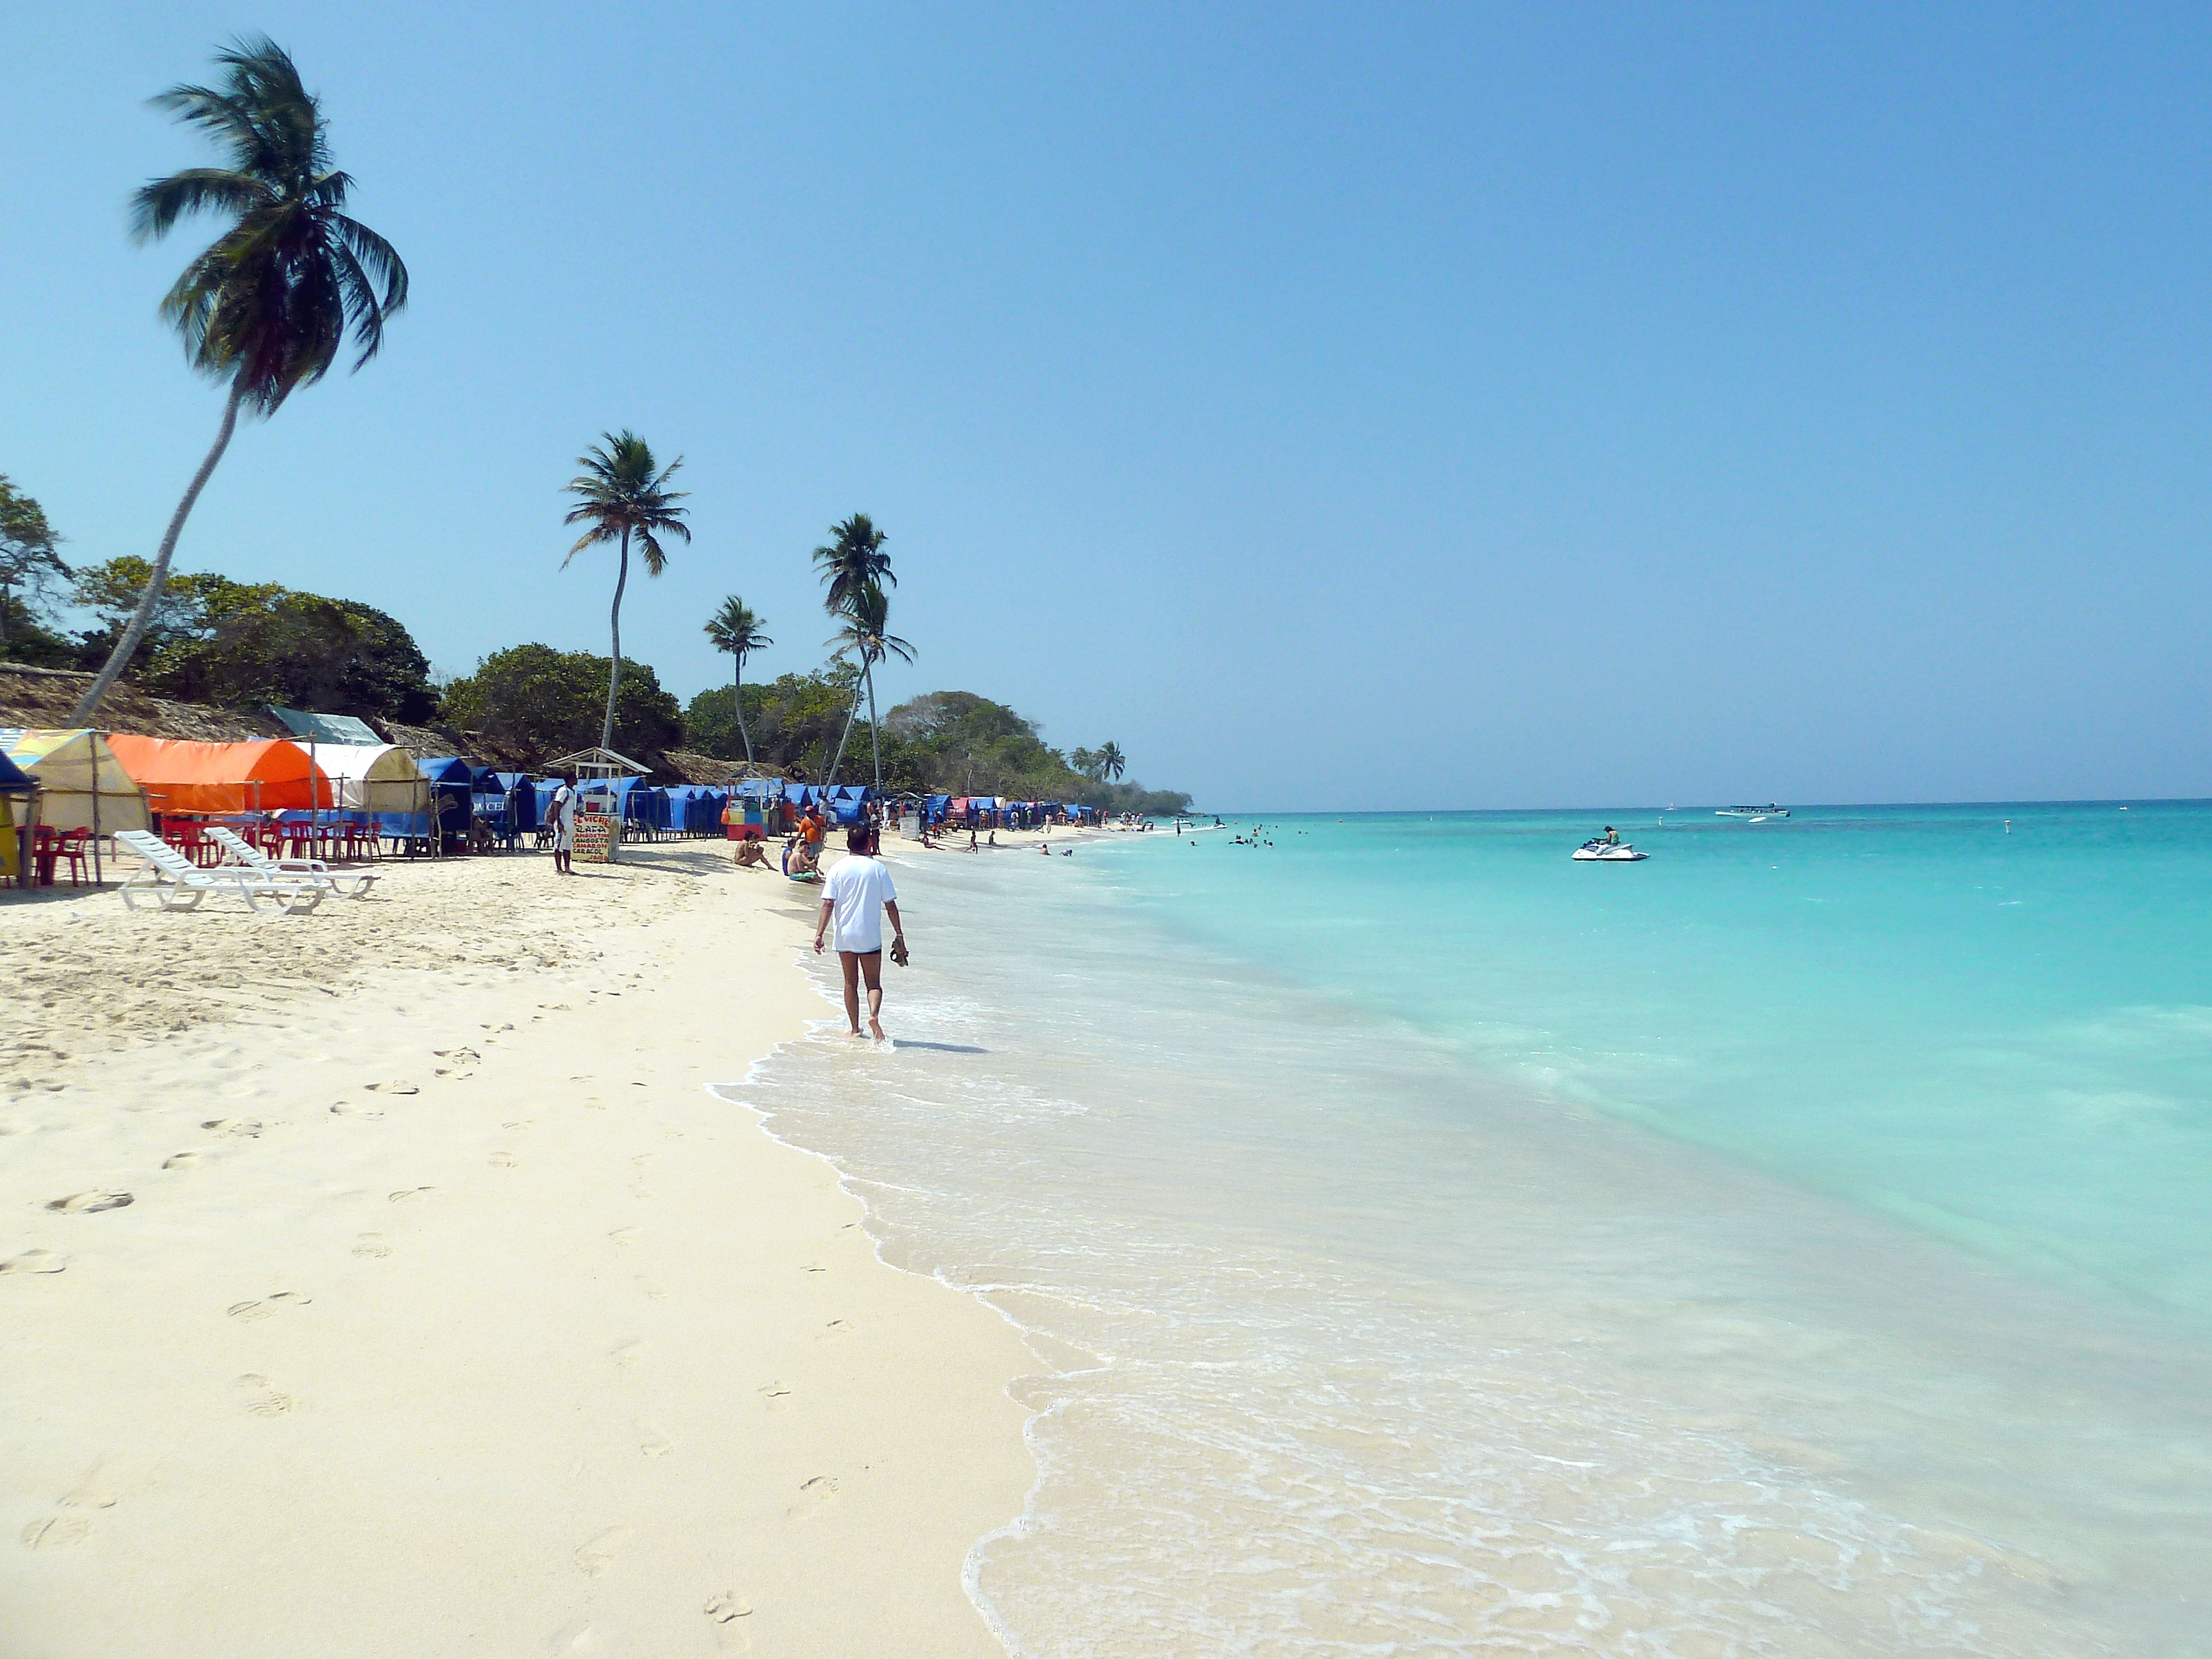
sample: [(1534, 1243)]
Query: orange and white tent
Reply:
[(180, 776)]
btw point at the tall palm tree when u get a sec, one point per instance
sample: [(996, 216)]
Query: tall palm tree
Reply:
[(736, 630), (1111, 761), (268, 304), (853, 559), (622, 498), (867, 613)]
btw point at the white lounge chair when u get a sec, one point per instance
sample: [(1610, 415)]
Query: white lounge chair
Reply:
[(313, 869), (178, 883)]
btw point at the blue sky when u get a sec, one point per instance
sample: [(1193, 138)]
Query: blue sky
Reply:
[(1352, 405)]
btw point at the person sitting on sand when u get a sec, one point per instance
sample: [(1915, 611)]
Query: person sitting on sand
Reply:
[(752, 855), (857, 895)]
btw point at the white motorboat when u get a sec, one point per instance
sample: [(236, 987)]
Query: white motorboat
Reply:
[(1598, 850), (1755, 813)]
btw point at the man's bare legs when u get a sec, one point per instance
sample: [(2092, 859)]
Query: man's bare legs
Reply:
[(870, 964)]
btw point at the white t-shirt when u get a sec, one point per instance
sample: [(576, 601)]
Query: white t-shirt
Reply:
[(856, 890), (562, 810)]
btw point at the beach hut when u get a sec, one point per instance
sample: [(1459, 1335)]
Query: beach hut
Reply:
[(372, 777), (82, 785), (179, 776)]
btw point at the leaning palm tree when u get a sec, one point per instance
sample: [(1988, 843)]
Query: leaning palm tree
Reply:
[(867, 612), (736, 630), (268, 304), (853, 559), (624, 499), (1111, 761)]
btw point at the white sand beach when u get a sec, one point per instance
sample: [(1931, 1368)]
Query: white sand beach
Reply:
[(387, 1281)]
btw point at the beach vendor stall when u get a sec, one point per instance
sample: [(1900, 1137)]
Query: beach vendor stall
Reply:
[(82, 785)]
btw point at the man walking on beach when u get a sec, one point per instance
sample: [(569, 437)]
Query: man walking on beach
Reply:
[(856, 895), (561, 815)]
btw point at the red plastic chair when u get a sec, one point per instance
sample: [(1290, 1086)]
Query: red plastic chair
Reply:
[(71, 846)]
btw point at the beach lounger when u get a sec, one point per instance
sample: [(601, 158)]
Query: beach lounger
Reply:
[(178, 883), (313, 870)]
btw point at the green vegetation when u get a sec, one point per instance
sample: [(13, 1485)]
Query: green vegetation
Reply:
[(532, 703), (947, 743), (622, 498), (736, 630), (242, 645), (29, 570), (268, 304)]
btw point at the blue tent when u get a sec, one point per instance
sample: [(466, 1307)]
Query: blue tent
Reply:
[(450, 781), (641, 807), (848, 802), (936, 807), (14, 780), (529, 816), (765, 789)]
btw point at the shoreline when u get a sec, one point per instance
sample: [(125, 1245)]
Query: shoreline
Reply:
[(450, 1305)]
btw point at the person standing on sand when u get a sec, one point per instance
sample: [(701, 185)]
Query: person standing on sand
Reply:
[(856, 895), (561, 813)]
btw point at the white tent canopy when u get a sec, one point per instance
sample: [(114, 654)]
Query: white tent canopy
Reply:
[(82, 785), (372, 777)]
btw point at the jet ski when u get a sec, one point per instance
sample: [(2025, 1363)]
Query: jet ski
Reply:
[(1598, 850)]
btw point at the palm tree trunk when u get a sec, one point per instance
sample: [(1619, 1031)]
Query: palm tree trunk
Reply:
[(614, 668), (737, 697), (851, 714), (875, 742), (135, 630)]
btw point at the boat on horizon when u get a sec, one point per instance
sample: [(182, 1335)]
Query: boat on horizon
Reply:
[(1753, 813)]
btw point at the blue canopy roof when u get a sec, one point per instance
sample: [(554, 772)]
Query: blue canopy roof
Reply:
[(446, 769), (13, 779)]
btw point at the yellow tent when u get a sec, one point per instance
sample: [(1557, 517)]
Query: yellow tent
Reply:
[(82, 785)]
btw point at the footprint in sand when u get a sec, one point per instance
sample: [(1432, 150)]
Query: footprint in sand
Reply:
[(653, 1287), (626, 1353), (264, 1401), (814, 1494), (516, 1124), (596, 1556), (727, 1606), (655, 1444), (56, 1531), (504, 1160), (347, 1108), (459, 1056), (373, 1245), (411, 1195), (392, 1088), (245, 1129), (622, 1236), (774, 1396), (180, 1160), (834, 1328), (86, 1203), (35, 1261), (262, 1309)]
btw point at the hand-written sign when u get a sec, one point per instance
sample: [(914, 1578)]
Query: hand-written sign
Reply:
[(595, 838)]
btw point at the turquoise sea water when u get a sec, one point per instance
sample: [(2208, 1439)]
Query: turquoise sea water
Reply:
[(1798, 1242)]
